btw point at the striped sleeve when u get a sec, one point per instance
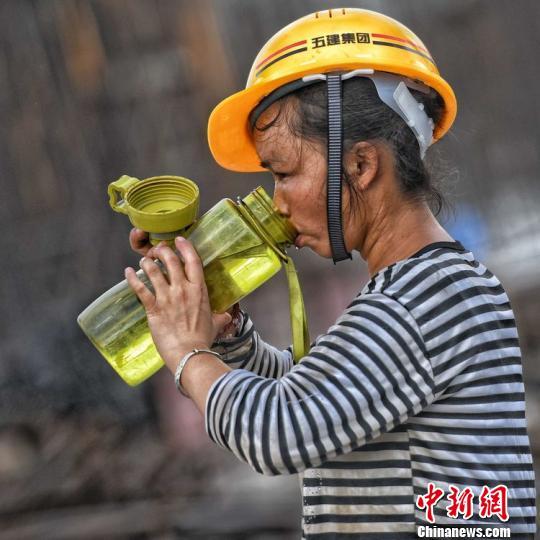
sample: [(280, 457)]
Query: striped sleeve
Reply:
[(369, 373), (248, 351)]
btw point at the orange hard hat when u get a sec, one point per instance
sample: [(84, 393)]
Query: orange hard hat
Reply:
[(323, 42)]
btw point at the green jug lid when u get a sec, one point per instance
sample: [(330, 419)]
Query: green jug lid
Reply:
[(160, 204)]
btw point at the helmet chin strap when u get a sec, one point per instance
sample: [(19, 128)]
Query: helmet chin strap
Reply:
[(335, 169)]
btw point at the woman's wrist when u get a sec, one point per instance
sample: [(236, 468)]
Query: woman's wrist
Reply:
[(173, 356), (183, 362), (198, 376)]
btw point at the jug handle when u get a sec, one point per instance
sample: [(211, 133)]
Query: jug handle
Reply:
[(117, 191)]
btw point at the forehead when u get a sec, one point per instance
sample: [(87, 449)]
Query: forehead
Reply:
[(273, 138)]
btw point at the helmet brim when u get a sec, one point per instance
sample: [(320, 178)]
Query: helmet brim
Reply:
[(229, 135)]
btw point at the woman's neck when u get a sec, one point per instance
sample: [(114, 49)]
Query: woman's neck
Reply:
[(395, 236)]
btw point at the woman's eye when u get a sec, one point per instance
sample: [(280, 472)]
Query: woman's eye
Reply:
[(280, 176)]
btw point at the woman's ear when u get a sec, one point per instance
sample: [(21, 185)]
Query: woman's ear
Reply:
[(361, 164)]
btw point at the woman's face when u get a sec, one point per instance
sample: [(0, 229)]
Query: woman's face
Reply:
[(299, 170)]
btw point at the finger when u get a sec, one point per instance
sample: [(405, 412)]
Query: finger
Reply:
[(138, 240), (155, 275), (140, 289), (220, 321), (192, 263), (172, 264), (227, 331), (152, 252)]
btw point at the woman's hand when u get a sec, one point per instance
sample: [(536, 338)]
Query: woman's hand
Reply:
[(139, 242), (179, 314)]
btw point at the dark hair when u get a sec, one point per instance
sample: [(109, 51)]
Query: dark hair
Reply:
[(367, 118)]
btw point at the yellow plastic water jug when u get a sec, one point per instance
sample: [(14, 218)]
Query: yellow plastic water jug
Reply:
[(241, 245)]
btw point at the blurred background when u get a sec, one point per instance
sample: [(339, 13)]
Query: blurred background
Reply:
[(93, 89)]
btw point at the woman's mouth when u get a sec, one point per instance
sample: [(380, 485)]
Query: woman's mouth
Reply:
[(299, 241)]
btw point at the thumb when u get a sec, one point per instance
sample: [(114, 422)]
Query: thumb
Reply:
[(220, 321)]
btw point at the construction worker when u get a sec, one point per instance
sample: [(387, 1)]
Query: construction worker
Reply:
[(409, 412)]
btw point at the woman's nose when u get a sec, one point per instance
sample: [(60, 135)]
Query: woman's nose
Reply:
[(280, 203)]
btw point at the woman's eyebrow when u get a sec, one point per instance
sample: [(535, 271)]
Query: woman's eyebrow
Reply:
[(266, 165)]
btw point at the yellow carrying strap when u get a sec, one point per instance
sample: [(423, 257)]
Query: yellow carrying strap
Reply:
[(299, 326), (300, 331)]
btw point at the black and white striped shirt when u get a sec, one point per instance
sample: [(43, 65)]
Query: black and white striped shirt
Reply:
[(418, 381)]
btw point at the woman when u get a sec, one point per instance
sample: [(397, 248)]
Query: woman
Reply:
[(409, 411)]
